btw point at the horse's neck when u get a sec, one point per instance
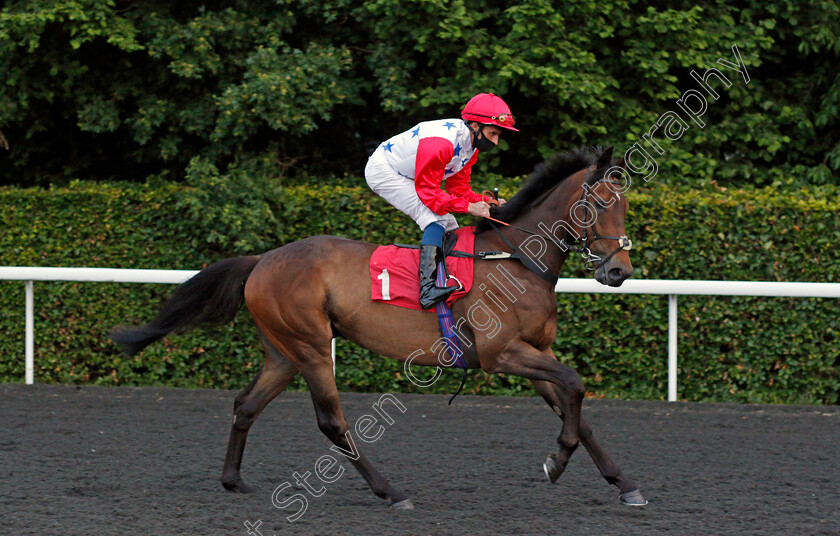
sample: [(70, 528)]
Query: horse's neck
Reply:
[(550, 216)]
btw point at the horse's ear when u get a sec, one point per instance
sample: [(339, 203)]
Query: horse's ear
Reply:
[(621, 163), (606, 157)]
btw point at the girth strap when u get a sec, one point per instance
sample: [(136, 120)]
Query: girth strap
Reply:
[(447, 327)]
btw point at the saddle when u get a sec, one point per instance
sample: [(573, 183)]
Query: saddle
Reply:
[(393, 269)]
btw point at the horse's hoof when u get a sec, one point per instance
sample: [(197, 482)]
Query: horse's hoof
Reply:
[(552, 469), (404, 504), (633, 498), (238, 486)]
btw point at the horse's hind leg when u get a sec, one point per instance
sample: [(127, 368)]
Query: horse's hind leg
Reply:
[(275, 375), (555, 464), (332, 423)]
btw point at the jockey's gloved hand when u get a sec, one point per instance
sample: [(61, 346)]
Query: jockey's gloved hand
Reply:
[(480, 209)]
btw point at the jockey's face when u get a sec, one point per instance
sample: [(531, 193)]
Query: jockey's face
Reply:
[(490, 132)]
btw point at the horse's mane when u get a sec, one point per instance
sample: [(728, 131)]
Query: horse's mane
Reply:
[(546, 176)]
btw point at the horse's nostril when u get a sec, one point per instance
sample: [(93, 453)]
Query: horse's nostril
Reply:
[(616, 274)]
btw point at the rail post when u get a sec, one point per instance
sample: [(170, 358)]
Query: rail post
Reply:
[(672, 347), (30, 333)]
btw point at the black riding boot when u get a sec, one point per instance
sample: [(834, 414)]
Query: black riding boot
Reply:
[(430, 293)]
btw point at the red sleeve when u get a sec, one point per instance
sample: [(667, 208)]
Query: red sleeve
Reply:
[(433, 154), (459, 183)]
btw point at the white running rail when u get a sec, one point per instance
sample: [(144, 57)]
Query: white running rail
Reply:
[(101, 275), (671, 288), (676, 287)]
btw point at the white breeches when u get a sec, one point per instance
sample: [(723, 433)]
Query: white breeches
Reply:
[(400, 192)]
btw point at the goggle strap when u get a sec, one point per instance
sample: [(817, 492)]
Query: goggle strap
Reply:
[(501, 118)]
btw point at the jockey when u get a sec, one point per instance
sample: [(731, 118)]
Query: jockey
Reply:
[(408, 169)]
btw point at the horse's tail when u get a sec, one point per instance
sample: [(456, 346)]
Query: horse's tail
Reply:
[(212, 296)]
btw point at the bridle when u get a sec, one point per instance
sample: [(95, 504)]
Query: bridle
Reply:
[(591, 261)]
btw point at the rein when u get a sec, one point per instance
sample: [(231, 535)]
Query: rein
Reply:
[(591, 261)]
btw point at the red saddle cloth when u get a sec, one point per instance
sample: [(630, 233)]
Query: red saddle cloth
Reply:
[(394, 278)]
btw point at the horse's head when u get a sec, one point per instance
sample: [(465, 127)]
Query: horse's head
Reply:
[(604, 239), (586, 191)]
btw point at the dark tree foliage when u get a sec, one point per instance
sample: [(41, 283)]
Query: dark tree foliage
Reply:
[(125, 90)]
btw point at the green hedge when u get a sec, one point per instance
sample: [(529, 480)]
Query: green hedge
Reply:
[(776, 350)]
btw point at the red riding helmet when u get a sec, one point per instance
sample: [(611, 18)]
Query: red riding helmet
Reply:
[(488, 109)]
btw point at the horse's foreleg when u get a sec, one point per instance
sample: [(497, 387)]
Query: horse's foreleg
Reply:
[(275, 375), (557, 399), (332, 423), (629, 491), (524, 360)]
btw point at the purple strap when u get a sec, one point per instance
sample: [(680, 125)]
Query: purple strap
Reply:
[(447, 325)]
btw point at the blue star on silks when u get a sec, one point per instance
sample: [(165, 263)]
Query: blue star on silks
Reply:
[(457, 149), (415, 132), (448, 171), (388, 146), (449, 124)]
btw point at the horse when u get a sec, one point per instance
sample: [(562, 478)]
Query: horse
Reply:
[(305, 293)]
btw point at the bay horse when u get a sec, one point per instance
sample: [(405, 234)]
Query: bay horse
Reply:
[(307, 292)]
